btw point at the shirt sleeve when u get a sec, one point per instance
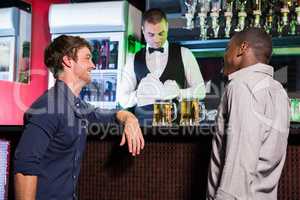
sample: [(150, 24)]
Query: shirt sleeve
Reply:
[(193, 76), (127, 86), (103, 116), (38, 131), (243, 136)]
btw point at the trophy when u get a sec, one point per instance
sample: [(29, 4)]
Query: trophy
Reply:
[(257, 14), (284, 13), (215, 9), (204, 8), (191, 9), (228, 16), (241, 15), (282, 25)]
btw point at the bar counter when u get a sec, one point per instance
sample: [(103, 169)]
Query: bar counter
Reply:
[(173, 165)]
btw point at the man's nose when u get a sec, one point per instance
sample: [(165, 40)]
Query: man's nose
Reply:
[(93, 64)]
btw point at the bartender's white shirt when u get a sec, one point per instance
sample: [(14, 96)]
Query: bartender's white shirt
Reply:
[(156, 63)]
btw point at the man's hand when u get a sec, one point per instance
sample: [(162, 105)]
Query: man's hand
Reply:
[(132, 132)]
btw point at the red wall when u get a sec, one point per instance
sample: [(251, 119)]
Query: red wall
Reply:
[(15, 98)]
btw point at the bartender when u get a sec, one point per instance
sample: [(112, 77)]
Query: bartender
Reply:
[(160, 70)]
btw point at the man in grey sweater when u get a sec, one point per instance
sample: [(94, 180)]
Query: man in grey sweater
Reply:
[(249, 147)]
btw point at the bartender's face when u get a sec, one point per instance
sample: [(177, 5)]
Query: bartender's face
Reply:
[(155, 34)]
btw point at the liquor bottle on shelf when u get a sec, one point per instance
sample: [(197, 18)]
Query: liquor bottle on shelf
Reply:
[(293, 26), (292, 18)]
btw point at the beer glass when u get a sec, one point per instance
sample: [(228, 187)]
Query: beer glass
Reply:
[(162, 113), (189, 112)]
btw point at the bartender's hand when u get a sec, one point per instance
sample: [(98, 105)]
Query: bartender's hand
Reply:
[(149, 90), (132, 132), (170, 90)]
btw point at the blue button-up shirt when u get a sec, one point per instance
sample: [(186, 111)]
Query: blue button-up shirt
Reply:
[(53, 141)]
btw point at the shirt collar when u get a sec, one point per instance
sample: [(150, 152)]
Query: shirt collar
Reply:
[(258, 67), (165, 46), (64, 88)]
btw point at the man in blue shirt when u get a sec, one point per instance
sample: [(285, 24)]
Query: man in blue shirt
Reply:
[(47, 159)]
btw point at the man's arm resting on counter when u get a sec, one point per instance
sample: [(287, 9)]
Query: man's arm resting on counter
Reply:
[(132, 132), (25, 187)]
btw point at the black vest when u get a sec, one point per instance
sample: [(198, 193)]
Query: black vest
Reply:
[(173, 71)]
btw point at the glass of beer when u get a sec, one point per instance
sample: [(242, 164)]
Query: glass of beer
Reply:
[(162, 113), (189, 112)]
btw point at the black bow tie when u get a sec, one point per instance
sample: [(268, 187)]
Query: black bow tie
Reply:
[(151, 50)]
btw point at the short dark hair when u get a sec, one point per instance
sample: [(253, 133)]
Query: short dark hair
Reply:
[(259, 41), (154, 16), (64, 45)]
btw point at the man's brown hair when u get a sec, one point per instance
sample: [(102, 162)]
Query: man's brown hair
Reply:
[(61, 46), (153, 16)]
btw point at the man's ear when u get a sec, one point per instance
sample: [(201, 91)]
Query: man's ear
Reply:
[(243, 48), (143, 30), (66, 62)]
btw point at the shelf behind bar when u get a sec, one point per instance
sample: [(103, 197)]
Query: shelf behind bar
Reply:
[(283, 46)]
